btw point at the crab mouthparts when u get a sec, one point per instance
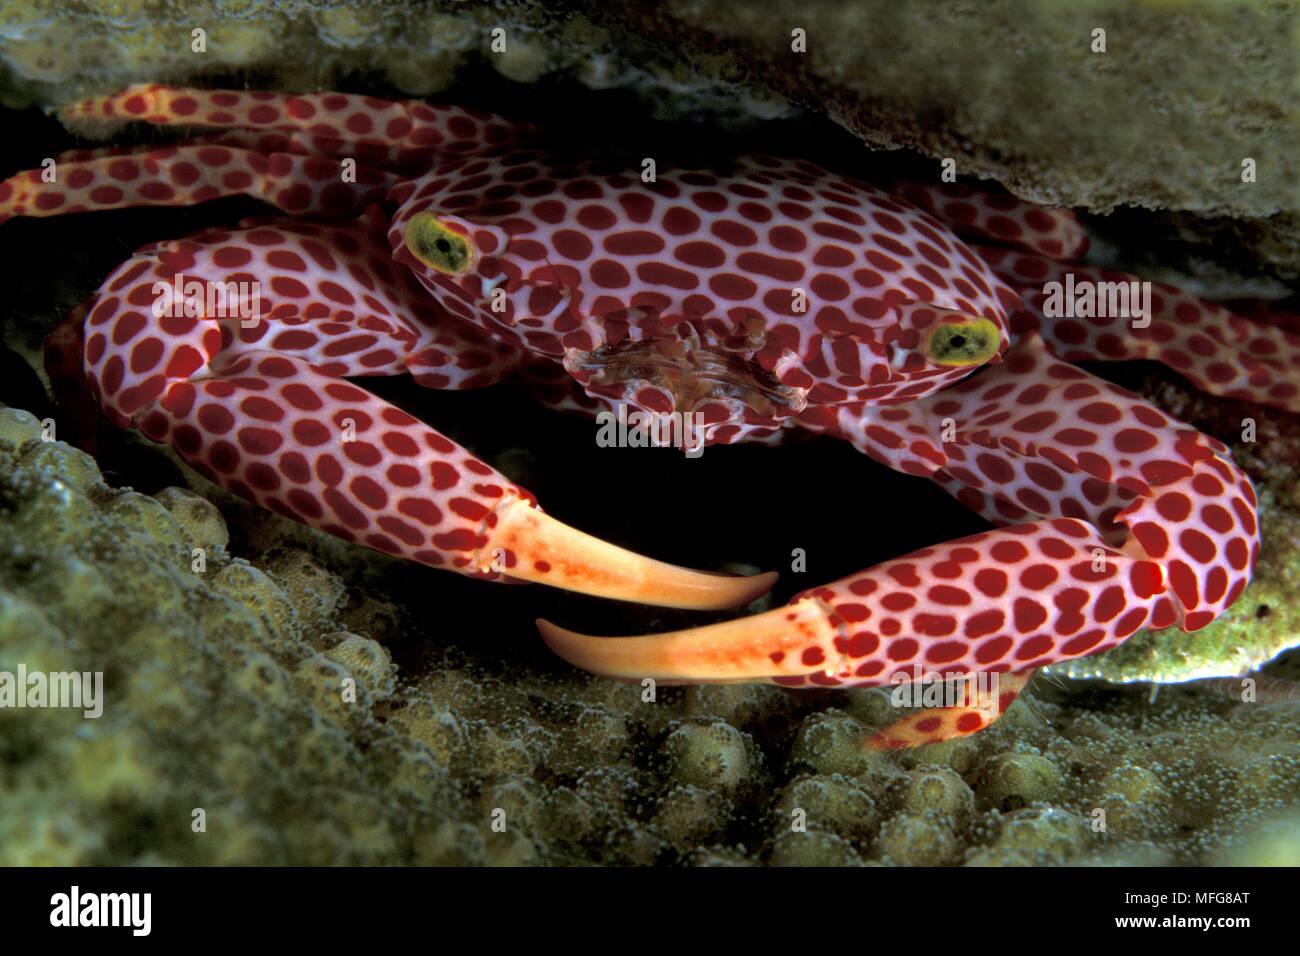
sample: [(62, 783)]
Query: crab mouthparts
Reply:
[(688, 374)]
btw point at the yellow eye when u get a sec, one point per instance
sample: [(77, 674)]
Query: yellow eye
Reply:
[(437, 246), (972, 342)]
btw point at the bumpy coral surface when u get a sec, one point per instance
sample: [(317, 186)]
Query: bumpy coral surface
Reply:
[(1078, 107), (265, 694)]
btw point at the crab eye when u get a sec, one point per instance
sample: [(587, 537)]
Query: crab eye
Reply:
[(437, 246), (972, 342)]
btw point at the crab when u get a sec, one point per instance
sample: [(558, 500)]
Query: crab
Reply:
[(915, 321)]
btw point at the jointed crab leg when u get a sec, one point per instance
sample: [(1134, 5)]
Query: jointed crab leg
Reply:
[(1216, 350), (186, 175), (1119, 519), (1000, 217), (359, 120), (971, 715), (303, 174), (1007, 600), (398, 486)]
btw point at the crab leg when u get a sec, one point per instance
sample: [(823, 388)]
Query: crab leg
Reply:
[(1001, 217), (1008, 600), (267, 142), (251, 394), (308, 138), (1216, 350), (399, 487), (973, 713), (1219, 352), (359, 120), (1118, 519), (187, 175)]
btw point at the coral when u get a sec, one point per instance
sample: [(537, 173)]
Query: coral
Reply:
[(911, 840), (212, 700), (710, 753), (1010, 781), (228, 692), (1275, 842), (1023, 97), (1035, 836)]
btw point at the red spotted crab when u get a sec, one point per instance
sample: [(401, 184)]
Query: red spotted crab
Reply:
[(773, 295)]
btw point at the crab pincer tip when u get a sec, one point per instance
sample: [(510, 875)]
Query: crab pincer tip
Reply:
[(547, 551), (793, 640)]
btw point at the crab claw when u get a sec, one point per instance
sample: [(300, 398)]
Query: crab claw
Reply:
[(539, 548), (788, 641)]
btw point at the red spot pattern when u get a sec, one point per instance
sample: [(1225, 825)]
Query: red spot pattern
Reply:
[(280, 148), (187, 174), (971, 714), (1117, 520), (1020, 628), (258, 405), (1216, 350), (1116, 517), (1000, 216), (721, 265)]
